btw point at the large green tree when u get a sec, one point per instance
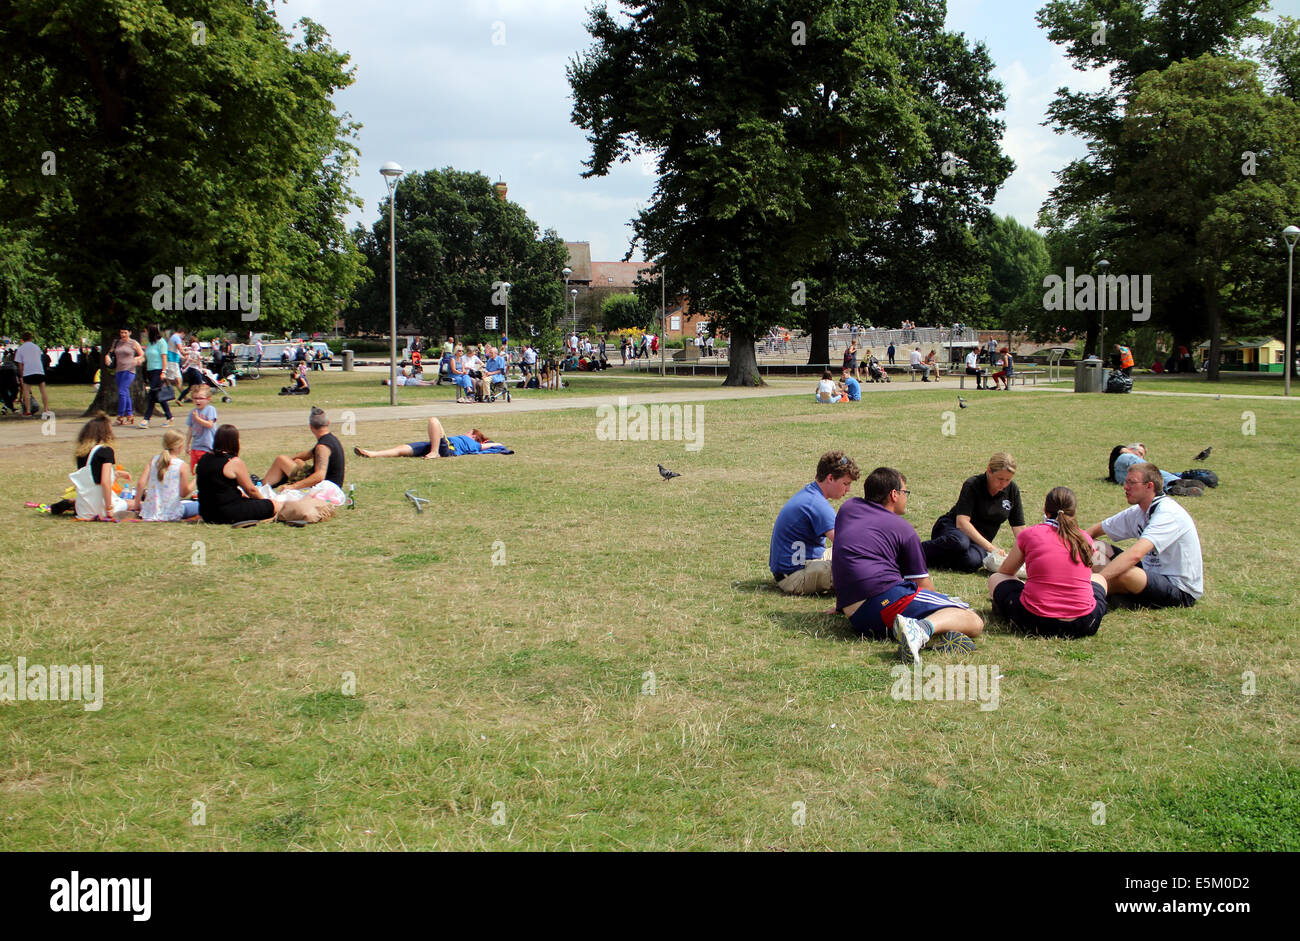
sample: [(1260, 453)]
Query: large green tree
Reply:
[(148, 135), (1017, 260), (1212, 171), (922, 262), (1132, 38), (775, 125), (457, 242)]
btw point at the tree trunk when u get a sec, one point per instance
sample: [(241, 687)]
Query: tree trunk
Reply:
[(742, 363), (819, 342)]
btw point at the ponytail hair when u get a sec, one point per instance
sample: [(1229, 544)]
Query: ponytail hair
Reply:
[(172, 439), (1062, 507)]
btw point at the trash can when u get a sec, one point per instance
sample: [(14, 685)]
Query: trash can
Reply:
[(1089, 376), (347, 361)]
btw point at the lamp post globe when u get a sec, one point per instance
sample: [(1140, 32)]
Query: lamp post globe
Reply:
[(391, 172)]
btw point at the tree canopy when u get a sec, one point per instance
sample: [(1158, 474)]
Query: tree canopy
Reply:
[(775, 125), (145, 136), (457, 242)]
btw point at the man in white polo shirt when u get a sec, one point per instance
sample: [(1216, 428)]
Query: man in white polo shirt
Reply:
[(1163, 568), (32, 369)]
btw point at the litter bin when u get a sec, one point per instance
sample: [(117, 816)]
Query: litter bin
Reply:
[(347, 361), (1089, 376)]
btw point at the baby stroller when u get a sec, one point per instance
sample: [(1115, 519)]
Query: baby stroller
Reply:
[(8, 386), (876, 372)]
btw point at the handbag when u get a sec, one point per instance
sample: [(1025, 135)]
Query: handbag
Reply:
[(167, 393), (89, 490)]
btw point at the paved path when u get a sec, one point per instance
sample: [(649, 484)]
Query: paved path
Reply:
[(19, 432)]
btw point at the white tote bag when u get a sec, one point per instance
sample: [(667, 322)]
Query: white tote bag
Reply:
[(90, 493)]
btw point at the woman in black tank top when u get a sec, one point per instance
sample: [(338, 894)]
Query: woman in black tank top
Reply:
[(221, 474)]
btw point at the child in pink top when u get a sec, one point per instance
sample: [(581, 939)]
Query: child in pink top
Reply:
[(1061, 595)]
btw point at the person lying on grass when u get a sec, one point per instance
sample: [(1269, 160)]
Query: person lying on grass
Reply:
[(446, 446)]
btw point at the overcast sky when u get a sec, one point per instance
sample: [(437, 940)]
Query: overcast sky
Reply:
[(480, 85)]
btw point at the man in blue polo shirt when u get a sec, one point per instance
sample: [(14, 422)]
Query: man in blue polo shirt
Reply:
[(881, 581), (799, 555)]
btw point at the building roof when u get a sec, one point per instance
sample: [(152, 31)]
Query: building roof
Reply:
[(1245, 343), (618, 274)]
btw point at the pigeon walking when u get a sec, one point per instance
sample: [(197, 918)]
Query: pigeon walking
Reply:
[(1204, 454), (667, 474), (418, 501)]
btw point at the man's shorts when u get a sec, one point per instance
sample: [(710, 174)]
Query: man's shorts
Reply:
[(875, 617), (1006, 601), (1162, 593), (814, 577), (35, 379)]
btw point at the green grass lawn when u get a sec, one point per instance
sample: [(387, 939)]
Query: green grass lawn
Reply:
[(511, 705)]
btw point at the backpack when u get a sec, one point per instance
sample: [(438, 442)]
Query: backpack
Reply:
[(1200, 474)]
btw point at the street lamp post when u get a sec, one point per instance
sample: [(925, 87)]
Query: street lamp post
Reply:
[(1103, 265), (573, 293), (505, 292), (392, 172), (567, 272), (1290, 233), (663, 321)]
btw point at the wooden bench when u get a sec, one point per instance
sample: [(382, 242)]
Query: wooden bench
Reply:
[(1020, 374)]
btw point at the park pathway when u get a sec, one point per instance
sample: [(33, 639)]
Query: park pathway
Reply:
[(17, 432)]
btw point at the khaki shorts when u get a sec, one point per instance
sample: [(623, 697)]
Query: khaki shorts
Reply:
[(813, 578)]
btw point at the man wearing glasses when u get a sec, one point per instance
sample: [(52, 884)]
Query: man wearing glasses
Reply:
[(1163, 568), (800, 553), (881, 580)]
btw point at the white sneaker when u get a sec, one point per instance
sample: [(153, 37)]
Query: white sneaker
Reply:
[(992, 562), (1022, 574), (911, 638)]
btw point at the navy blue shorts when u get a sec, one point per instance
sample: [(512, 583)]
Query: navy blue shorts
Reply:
[(422, 448), (1161, 593), (876, 615), (1006, 602)]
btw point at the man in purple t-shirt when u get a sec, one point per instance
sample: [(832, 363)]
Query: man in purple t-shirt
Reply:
[(881, 581)]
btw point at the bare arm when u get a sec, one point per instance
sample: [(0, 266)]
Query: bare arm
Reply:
[(316, 476), (1011, 564), (1126, 559), (967, 527), (237, 471), (187, 480), (1096, 531)]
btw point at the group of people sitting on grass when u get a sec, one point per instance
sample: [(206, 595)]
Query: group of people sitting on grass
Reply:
[(1056, 579), (214, 484)]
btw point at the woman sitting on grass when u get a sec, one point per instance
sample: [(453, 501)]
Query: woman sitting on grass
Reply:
[(441, 445), (225, 485), (1061, 595), (95, 446), (166, 486)]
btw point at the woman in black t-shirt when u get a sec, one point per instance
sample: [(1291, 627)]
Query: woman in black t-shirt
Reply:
[(962, 539), (95, 444), (224, 483)]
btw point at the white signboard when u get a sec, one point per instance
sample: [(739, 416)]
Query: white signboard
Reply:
[(674, 323), (489, 323)]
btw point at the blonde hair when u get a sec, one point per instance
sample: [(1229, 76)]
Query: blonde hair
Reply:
[(1002, 461), (172, 439)]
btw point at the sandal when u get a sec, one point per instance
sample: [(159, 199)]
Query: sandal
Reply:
[(244, 524), (120, 420)]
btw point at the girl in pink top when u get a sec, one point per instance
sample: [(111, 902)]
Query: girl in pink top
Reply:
[(1061, 595)]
